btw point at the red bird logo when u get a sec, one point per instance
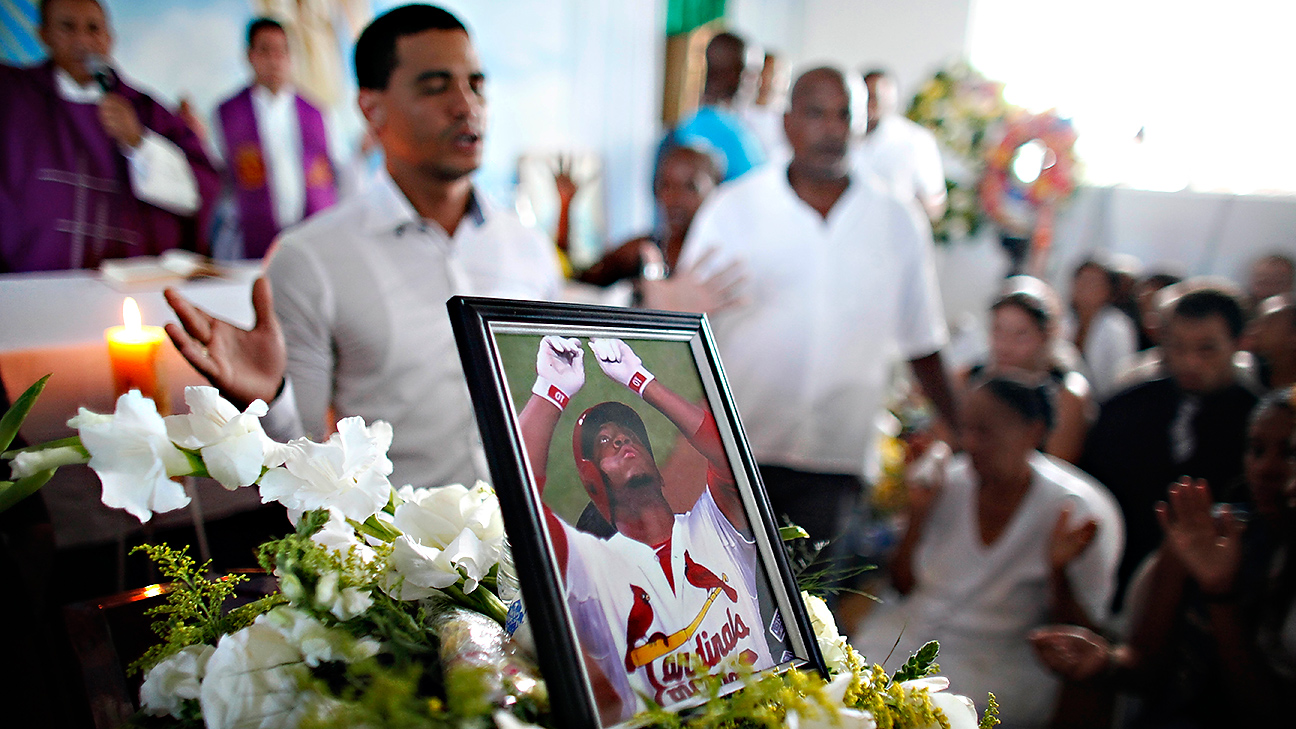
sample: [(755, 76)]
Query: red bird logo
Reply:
[(641, 618), (699, 576)]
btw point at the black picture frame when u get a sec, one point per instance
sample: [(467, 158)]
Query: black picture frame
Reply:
[(490, 334)]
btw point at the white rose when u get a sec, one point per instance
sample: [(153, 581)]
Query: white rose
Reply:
[(253, 681), (960, 710), (133, 456), (831, 643), (349, 472), (175, 679), (233, 446), (448, 532)]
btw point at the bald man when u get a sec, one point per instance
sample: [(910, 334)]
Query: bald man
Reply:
[(92, 168), (840, 283), (718, 127)]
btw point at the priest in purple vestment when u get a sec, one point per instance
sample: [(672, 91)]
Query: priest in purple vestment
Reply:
[(91, 168), (274, 144)]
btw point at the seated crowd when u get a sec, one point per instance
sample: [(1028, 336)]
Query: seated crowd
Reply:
[(1070, 551)]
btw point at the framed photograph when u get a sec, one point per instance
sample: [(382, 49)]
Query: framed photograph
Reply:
[(649, 561)]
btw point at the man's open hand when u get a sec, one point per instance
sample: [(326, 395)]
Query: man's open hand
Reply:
[(245, 364)]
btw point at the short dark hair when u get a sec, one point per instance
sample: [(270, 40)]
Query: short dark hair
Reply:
[(878, 73), (1101, 264), (375, 51), (260, 24), (1205, 301), (1034, 403), (1032, 296), (705, 160)]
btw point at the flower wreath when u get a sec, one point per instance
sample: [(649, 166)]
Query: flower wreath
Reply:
[(1003, 196)]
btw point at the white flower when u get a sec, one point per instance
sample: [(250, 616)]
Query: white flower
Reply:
[(338, 536), (448, 533), (349, 471), (134, 457), (253, 681), (960, 710), (29, 463), (232, 444), (345, 603), (175, 679), (316, 642), (831, 643)]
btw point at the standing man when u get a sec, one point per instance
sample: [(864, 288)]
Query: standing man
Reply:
[(717, 126), (841, 285), (91, 168), (902, 153), (358, 323), (274, 144)]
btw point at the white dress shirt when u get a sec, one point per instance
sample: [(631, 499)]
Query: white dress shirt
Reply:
[(834, 304), (281, 147), (361, 291), (905, 155), (1109, 348), (159, 171)]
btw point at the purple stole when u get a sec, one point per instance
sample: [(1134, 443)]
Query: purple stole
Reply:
[(65, 193), (249, 175)]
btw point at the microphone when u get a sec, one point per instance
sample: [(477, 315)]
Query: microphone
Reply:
[(102, 72)]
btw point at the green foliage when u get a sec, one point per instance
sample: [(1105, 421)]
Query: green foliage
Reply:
[(920, 665), (194, 609), (17, 413), (990, 719), (375, 695)]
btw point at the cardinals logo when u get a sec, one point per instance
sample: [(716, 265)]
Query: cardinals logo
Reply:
[(641, 616)]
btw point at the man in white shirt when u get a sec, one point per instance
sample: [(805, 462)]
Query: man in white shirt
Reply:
[(841, 285), (274, 144), (91, 168), (360, 290), (902, 153)]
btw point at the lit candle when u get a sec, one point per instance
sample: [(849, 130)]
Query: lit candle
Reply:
[(133, 349)]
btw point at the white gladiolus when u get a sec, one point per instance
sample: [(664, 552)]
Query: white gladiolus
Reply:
[(316, 642), (134, 457), (348, 471), (233, 446), (345, 603), (338, 536), (447, 533), (175, 679), (32, 462), (253, 681)]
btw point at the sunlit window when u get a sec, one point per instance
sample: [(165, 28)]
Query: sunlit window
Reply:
[(1165, 94)]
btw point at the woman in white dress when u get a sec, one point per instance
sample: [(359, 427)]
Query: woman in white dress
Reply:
[(1007, 540), (1105, 336)]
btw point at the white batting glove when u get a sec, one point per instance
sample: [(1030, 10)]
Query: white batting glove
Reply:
[(560, 370), (621, 364)]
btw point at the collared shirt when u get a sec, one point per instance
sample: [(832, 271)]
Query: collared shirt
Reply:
[(360, 291), (159, 173), (833, 305), (280, 132), (905, 155)]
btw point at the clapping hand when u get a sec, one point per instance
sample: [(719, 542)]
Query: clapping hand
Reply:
[(687, 289), (1209, 547), (1072, 652), (620, 363), (563, 180), (1068, 542), (245, 364), (560, 369)]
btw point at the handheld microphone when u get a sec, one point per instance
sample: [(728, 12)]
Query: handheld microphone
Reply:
[(102, 72)]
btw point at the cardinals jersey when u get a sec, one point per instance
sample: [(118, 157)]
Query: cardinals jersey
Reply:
[(653, 617)]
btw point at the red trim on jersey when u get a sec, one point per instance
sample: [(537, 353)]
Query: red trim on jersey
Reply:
[(663, 552)]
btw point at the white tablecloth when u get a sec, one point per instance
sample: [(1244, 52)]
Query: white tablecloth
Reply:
[(54, 323)]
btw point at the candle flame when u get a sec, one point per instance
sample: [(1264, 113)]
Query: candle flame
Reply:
[(131, 316)]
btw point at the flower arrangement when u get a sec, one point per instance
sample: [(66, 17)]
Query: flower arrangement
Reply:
[(1015, 204), (392, 602), (961, 108)]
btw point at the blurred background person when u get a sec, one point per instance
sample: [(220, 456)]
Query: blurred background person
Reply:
[(275, 147), (1149, 315), (902, 153), (1271, 337), (93, 168), (1005, 541), (1024, 343), (717, 126), (764, 115), (1271, 275), (1104, 335), (1214, 608)]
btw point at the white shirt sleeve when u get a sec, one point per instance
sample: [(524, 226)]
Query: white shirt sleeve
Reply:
[(927, 166), (303, 300), (160, 175), (283, 423), (1109, 345)]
